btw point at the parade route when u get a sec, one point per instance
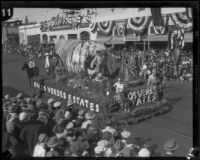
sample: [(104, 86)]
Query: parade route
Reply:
[(176, 124)]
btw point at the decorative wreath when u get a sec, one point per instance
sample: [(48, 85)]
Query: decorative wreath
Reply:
[(162, 29), (106, 27), (182, 20), (138, 24)]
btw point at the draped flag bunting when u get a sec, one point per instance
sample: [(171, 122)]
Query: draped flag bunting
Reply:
[(189, 13), (139, 24), (93, 27), (162, 29), (106, 27), (182, 20)]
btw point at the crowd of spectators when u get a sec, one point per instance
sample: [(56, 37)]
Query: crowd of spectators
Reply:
[(143, 62), (38, 128), (162, 60), (35, 50)]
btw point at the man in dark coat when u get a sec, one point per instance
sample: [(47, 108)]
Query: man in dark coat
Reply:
[(30, 133)]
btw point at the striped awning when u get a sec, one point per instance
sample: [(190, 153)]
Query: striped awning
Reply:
[(131, 38), (155, 38), (117, 40), (102, 39)]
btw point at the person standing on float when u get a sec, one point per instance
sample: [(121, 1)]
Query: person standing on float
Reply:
[(47, 63), (154, 84)]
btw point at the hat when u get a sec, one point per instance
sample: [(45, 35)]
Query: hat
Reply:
[(103, 143), (43, 112), (59, 128), (7, 96), (28, 100), (43, 119), (50, 101), (98, 150), (22, 104), (90, 115), (12, 108), (43, 138), (92, 130), (70, 125), (119, 145), (77, 147), (125, 134), (81, 112), (67, 115), (69, 103), (171, 145), (12, 116), (39, 103), (19, 95), (57, 104), (144, 152), (22, 116), (52, 142), (13, 100), (106, 135), (30, 107)]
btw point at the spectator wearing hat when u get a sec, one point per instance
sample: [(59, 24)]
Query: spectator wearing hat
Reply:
[(50, 106), (19, 96), (89, 116), (40, 148), (144, 152), (170, 147), (30, 132), (108, 128), (79, 147), (7, 97), (56, 107), (39, 104), (98, 151), (52, 144)]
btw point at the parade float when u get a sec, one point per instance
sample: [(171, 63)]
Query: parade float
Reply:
[(88, 75), (95, 79)]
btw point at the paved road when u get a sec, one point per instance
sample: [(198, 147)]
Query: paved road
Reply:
[(176, 124)]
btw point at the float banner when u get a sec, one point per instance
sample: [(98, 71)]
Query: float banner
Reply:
[(140, 97), (69, 97)]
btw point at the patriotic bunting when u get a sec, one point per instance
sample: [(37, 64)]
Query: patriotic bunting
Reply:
[(162, 29), (106, 27), (139, 24), (182, 20), (93, 27)]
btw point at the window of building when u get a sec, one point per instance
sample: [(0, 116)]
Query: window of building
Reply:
[(72, 36)]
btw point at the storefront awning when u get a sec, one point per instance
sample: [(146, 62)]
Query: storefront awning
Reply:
[(102, 39), (155, 38), (117, 40), (131, 38)]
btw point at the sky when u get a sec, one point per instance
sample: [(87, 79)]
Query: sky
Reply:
[(35, 14)]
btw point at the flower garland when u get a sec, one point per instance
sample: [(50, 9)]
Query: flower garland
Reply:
[(162, 29), (138, 24), (181, 20), (106, 27)]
